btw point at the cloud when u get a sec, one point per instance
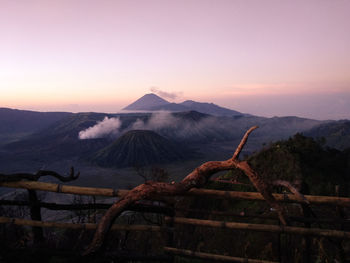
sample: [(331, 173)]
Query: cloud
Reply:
[(164, 94), (167, 124), (159, 120), (175, 127), (106, 127)]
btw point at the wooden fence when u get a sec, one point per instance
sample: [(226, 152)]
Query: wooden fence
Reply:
[(170, 218)]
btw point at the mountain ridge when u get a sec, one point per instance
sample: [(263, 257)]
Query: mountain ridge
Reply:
[(152, 102)]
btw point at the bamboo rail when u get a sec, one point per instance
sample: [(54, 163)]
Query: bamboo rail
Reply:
[(271, 216), (261, 227), (201, 255), (75, 256), (139, 207), (314, 199), (88, 226), (68, 189)]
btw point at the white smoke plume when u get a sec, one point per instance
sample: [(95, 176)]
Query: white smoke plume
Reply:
[(159, 120), (108, 126), (166, 124), (174, 127), (165, 94)]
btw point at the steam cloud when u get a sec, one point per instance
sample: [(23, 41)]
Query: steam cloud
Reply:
[(159, 120), (166, 124), (164, 94), (108, 126)]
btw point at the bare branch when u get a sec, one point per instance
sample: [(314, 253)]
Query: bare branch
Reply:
[(69, 178), (35, 177), (264, 188), (291, 188), (232, 182), (243, 142)]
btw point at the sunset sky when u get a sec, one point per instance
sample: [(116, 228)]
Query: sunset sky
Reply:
[(264, 57)]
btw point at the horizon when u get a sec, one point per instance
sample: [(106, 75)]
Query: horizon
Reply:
[(121, 111), (266, 58)]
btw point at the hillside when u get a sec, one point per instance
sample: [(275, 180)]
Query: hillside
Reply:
[(303, 159), (335, 133), (139, 148), (13, 120), (59, 140), (146, 102), (18, 123), (209, 108)]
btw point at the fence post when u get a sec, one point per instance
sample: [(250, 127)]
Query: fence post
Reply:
[(35, 214), (169, 224), (307, 213), (340, 213)]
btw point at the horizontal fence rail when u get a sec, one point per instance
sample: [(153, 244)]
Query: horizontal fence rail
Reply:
[(68, 189), (270, 216), (139, 207), (260, 227), (314, 199), (207, 256), (88, 226)]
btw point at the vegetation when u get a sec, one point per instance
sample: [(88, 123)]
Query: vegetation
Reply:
[(304, 159), (336, 133), (301, 160)]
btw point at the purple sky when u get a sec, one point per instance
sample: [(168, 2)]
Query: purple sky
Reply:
[(264, 57)]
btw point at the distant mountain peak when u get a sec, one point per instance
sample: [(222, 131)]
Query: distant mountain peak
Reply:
[(147, 102), (188, 102), (152, 102)]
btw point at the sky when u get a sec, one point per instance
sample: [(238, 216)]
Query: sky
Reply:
[(264, 57)]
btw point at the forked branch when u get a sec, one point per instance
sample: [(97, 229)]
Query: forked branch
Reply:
[(197, 178)]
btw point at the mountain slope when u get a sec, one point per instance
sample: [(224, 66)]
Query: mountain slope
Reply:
[(170, 107), (60, 140), (336, 133), (147, 102), (303, 158), (15, 124), (138, 148), (13, 120), (209, 108)]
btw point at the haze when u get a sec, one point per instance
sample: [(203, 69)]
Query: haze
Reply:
[(269, 58)]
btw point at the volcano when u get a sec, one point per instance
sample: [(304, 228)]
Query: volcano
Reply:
[(147, 102), (139, 148), (152, 102)]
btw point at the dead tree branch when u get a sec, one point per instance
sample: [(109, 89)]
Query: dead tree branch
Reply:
[(197, 178), (232, 182), (35, 177), (293, 190)]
